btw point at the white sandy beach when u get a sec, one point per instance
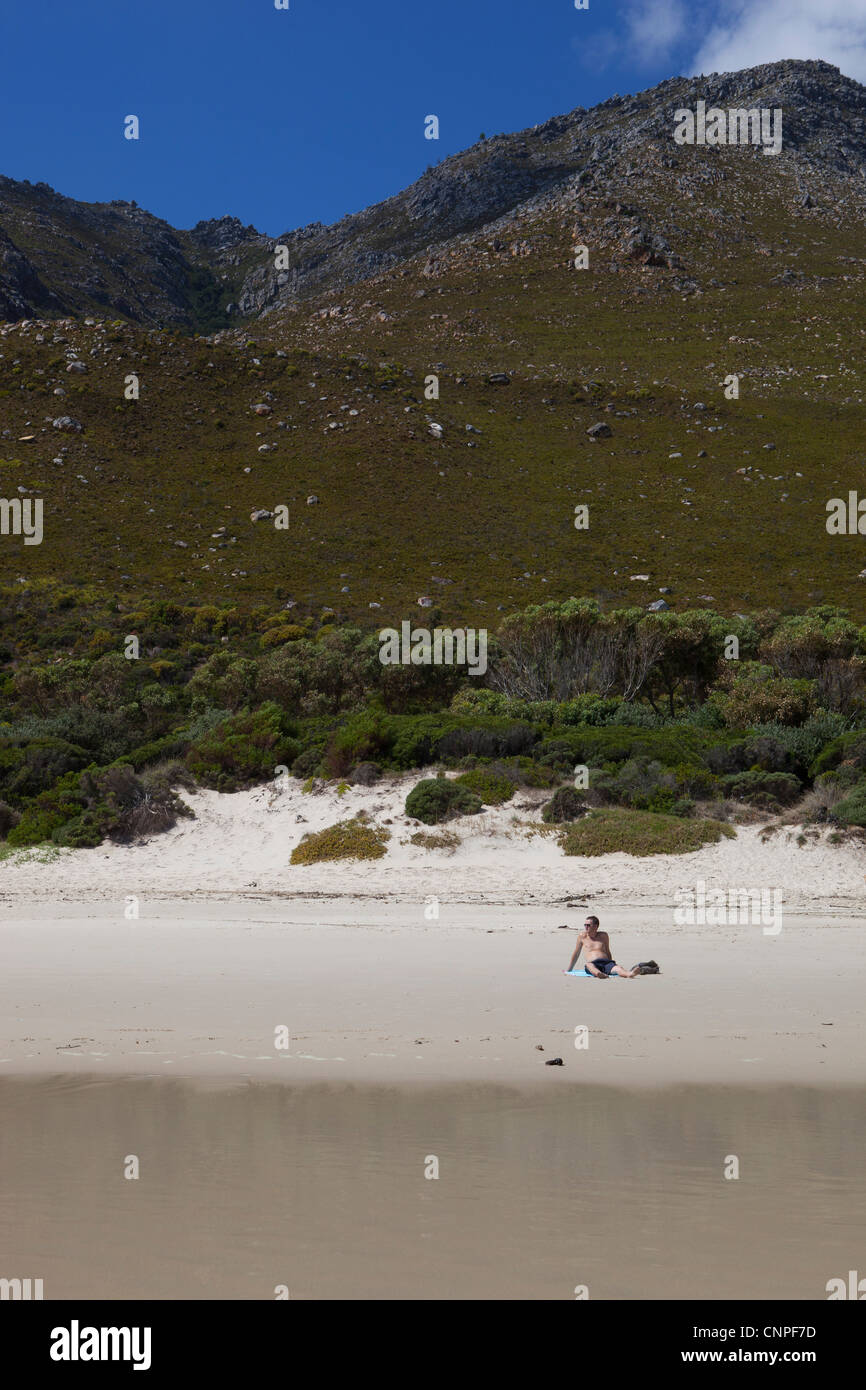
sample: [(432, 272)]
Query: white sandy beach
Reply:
[(232, 942), (241, 845)]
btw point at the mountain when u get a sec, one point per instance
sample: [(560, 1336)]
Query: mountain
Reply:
[(314, 382), (60, 256)]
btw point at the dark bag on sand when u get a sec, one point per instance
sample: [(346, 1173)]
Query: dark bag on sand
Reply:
[(647, 967)]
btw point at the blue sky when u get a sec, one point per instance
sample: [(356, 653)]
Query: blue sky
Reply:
[(287, 117)]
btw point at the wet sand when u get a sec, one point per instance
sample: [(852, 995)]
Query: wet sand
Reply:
[(322, 1189)]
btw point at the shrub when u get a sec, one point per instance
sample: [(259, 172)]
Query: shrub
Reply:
[(803, 745), (307, 764), (365, 774), (346, 840), (530, 774), (824, 797), (670, 745), (122, 806), (507, 740), (849, 748), (9, 818), (27, 771), (334, 673), (695, 781), (225, 681), (475, 699), (172, 746), (765, 753), (843, 778), (83, 808), (583, 709), (767, 790), (639, 833), (661, 799), (636, 783), (104, 735), (278, 636), (242, 750), (492, 790), (204, 619), (85, 831), (427, 839), (48, 812), (521, 771), (436, 799), (852, 810), (564, 805), (171, 772), (361, 738), (754, 695), (635, 716), (417, 740)]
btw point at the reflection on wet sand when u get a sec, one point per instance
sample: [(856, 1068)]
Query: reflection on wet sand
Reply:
[(323, 1189)]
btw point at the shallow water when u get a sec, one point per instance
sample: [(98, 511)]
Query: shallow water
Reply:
[(322, 1189)]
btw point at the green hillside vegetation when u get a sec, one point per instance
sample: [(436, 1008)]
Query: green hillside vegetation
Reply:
[(93, 745)]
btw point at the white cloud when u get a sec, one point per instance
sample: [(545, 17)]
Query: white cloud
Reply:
[(747, 32), (766, 31), (654, 30), (650, 35)]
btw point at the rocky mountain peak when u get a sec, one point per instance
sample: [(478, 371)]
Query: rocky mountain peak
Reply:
[(118, 258)]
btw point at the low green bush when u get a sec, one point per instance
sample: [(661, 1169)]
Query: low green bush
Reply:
[(85, 831), (670, 746), (564, 805), (350, 839), (171, 746), (614, 829), (766, 790), (803, 744), (847, 748), (851, 810), (278, 636), (492, 790), (636, 783), (437, 799), (47, 812), (308, 763), (35, 767)]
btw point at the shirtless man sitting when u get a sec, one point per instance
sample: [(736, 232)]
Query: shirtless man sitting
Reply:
[(597, 959)]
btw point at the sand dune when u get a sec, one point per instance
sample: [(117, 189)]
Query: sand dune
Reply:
[(241, 844)]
